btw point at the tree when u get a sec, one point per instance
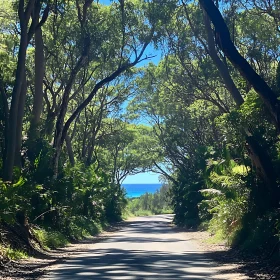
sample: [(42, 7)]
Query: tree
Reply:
[(32, 11), (125, 149), (125, 56), (225, 43)]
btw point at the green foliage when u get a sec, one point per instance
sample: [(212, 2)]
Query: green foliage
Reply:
[(150, 204), (178, 117), (258, 233), (50, 239), (80, 227), (75, 205), (227, 198), (12, 254)]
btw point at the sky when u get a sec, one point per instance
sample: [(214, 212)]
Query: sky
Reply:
[(142, 178), (147, 177), (105, 2)]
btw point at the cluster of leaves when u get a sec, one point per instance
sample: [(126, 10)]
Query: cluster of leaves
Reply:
[(226, 199)]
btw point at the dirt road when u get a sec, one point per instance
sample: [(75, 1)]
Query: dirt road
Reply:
[(146, 248)]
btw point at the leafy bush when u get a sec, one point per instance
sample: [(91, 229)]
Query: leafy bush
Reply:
[(12, 254), (51, 239), (80, 227), (227, 199), (78, 204)]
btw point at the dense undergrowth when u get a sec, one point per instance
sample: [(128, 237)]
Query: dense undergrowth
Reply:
[(43, 213)]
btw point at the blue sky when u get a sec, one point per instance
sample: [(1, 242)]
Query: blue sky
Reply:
[(105, 2), (143, 178)]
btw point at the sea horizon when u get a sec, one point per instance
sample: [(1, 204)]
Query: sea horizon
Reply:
[(136, 190)]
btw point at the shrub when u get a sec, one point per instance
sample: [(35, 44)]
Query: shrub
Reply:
[(12, 254), (51, 239)]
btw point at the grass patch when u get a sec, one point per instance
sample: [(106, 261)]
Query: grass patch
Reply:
[(141, 212), (81, 227), (77, 228), (203, 226), (12, 254), (51, 239), (167, 211), (127, 214), (218, 237), (137, 213)]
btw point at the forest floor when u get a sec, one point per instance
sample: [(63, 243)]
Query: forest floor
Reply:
[(202, 258)]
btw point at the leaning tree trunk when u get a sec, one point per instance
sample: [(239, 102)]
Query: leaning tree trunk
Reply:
[(222, 68), (225, 43), (59, 137), (61, 130), (258, 154)]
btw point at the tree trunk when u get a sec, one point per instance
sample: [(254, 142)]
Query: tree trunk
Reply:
[(222, 68), (59, 137), (20, 116), (13, 117), (90, 152), (70, 150), (25, 10), (225, 43), (61, 130), (39, 76), (5, 111), (258, 154)]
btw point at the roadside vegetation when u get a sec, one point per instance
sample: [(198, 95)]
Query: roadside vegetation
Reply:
[(85, 103), (150, 203)]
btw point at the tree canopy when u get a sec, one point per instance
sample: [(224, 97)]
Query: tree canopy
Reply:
[(84, 105)]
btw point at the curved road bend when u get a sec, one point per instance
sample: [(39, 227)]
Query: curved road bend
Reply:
[(147, 248)]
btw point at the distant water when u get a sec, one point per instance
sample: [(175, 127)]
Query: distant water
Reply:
[(136, 190)]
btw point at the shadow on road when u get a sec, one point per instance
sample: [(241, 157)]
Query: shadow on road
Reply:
[(134, 264), (144, 248)]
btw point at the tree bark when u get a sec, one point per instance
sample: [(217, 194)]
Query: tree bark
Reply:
[(225, 43), (70, 150), (13, 117), (21, 107), (32, 7), (222, 68), (59, 137), (96, 129), (39, 76), (5, 108)]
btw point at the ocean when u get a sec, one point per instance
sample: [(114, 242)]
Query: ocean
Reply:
[(136, 190)]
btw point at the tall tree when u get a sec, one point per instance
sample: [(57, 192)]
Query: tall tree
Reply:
[(25, 11), (224, 41)]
